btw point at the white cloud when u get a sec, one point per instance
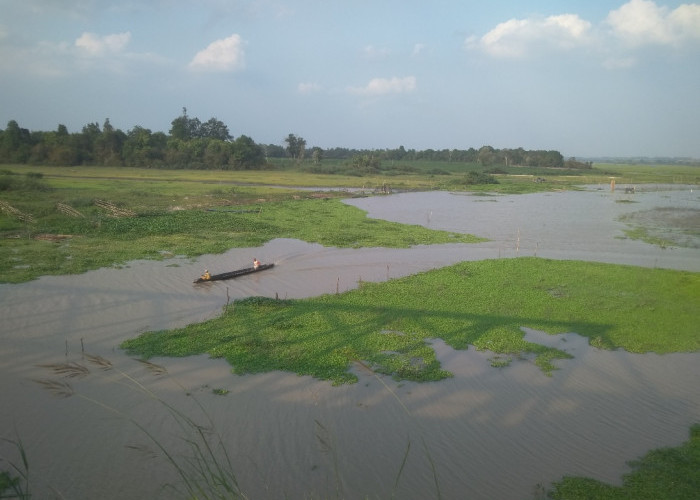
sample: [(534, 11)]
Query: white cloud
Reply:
[(636, 23), (96, 45), (517, 37), (222, 55), (372, 52), (382, 86), (418, 49), (642, 22), (309, 87)]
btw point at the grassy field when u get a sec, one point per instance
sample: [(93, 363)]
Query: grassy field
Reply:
[(66, 225), (50, 223)]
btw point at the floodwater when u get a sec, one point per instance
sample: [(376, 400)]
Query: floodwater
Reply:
[(487, 432)]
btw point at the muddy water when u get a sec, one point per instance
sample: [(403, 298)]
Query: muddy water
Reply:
[(490, 433)]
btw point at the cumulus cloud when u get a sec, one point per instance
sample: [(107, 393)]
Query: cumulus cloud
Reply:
[(96, 45), (642, 22), (636, 23), (516, 37), (222, 55), (383, 86)]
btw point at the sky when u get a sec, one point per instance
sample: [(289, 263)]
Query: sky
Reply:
[(586, 78)]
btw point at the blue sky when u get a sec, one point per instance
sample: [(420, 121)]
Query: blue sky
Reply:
[(587, 78)]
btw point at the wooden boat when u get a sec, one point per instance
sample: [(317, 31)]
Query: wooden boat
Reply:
[(235, 274)]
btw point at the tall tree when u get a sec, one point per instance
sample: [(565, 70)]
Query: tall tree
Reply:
[(296, 147), (215, 129), (16, 143), (185, 128), (247, 154)]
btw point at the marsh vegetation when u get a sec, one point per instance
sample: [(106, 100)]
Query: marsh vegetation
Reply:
[(484, 304), (58, 220)]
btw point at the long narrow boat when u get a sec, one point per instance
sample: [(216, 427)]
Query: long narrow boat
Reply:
[(235, 274)]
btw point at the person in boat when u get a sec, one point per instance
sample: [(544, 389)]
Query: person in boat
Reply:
[(256, 263), (206, 276)]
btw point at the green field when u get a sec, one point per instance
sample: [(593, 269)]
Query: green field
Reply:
[(56, 224), (50, 222)]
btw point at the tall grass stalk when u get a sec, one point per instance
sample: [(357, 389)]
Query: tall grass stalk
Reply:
[(17, 482), (408, 447), (206, 474)]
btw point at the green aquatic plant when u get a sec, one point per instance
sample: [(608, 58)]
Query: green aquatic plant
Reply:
[(483, 304), (14, 483), (662, 474)]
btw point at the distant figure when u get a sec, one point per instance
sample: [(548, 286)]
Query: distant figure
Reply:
[(206, 276), (256, 263)]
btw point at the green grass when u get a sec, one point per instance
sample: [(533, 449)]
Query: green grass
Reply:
[(173, 219), (644, 174), (386, 326), (98, 240), (662, 474)]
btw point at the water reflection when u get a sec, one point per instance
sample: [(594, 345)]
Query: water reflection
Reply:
[(490, 433)]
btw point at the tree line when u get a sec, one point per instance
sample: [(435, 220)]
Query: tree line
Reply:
[(191, 143)]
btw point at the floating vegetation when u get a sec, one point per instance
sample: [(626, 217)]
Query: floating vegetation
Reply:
[(665, 227), (388, 326)]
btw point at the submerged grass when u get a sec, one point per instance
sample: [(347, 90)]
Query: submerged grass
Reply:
[(14, 482), (485, 304)]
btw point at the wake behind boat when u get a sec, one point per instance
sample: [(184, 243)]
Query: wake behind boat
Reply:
[(233, 274)]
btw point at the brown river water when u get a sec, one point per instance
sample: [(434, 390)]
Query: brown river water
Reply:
[(488, 433)]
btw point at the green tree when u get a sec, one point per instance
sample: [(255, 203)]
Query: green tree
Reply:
[(109, 145), (365, 164), (247, 154), (217, 153), (296, 147), (86, 142), (16, 143), (274, 151), (317, 155), (142, 148), (215, 129), (486, 155), (63, 149), (185, 128)]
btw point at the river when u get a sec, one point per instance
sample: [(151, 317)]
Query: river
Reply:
[(487, 432)]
